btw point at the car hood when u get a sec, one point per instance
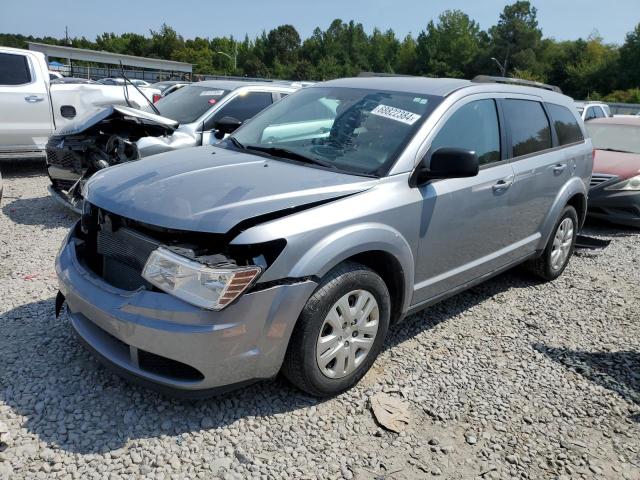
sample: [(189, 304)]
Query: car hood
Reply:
[(620, 164), (211, 189), (161, 125)]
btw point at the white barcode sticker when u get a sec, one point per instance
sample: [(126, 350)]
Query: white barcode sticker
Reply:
[(396, 114), (211, 93)]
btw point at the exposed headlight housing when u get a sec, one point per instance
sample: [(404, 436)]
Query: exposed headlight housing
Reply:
[(208, 287), (632, 183)]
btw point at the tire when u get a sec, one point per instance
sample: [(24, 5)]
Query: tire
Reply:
[(316, 331), (544, 266)]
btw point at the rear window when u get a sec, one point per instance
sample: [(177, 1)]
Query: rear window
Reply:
[(566, 126), (14, 69), (530, 130), (189, 103), (615, 137)]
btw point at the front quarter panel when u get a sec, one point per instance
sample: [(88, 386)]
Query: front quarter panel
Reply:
[(384, 218)]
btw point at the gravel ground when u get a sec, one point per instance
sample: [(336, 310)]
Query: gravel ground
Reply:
[(512, 379)]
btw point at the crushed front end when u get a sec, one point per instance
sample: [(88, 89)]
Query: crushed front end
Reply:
[(157, 338), (105, 138)]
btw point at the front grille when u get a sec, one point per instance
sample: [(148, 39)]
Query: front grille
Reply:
[(598, 179), (62, 156), (124, 253)]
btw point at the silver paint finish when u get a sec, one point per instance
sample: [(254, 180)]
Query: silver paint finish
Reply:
[(437, 238)]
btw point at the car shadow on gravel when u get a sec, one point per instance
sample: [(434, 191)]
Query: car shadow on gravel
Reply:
[(602, 228), (69, 401), (43, 211), (615, 371), (452, 307)]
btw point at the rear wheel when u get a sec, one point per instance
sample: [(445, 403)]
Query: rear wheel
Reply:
[(340, 331), (559, 249)]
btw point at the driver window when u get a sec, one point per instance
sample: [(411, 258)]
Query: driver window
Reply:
[(242, 107), (591, 113), (473, 127)]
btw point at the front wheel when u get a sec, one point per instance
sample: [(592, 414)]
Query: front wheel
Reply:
[(340, 331), (559, 249)]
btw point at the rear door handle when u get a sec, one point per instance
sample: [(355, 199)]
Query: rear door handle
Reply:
[(33, 98), (502, 185), (559, 168)]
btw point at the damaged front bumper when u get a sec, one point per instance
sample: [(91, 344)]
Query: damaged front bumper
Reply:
[(615, 206), (172, 346)]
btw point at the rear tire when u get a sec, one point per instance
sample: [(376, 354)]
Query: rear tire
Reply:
[(340, 331), (559, 249)]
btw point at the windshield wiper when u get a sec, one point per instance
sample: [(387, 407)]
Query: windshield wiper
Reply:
[(236, 143), (290, 154)]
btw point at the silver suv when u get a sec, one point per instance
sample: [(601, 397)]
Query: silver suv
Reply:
[(294, 244)]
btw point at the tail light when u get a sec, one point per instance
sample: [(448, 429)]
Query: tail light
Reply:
[(156, 97)]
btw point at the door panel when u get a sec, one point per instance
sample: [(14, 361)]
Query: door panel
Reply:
[(25, 116), (540, 171), (465, 231)]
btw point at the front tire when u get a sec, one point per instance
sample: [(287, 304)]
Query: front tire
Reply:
[(559, 249), (340, 331)]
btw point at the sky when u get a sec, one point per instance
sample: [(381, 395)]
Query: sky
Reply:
[(560, 19)]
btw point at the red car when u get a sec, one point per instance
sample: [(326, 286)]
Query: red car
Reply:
[(614, 193)]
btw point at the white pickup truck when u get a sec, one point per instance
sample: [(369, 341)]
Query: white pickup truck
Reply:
[(31, 108)]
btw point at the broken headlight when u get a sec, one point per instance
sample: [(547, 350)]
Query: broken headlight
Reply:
[(205, 286)]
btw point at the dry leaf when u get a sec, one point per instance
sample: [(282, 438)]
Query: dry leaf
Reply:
[(390, 412)]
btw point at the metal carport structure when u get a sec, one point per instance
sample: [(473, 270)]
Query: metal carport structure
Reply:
[(139, 67)]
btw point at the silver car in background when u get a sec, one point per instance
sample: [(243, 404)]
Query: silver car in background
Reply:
[(295, 243)]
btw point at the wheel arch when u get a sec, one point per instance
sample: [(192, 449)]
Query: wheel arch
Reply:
[(376, 246), (573, 193)]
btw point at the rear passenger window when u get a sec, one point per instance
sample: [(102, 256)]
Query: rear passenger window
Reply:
[(530, 130), (566, 125), (475, 127), (14, 69), (599, 112), (246, 106)]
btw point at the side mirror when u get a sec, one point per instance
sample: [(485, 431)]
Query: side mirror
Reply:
[(445, 163), (226, 125)]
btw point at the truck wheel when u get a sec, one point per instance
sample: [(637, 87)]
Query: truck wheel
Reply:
[(559, 249), (340, 331)]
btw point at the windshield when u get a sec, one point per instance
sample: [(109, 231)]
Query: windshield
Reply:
[(189, 103), (354, 130), (624, 138)]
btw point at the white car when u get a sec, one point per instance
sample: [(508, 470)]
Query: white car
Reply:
[(31, 108), (590, 110)]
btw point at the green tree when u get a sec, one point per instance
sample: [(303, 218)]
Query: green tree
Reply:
[(515, 40), (449, 47), (630, 59)]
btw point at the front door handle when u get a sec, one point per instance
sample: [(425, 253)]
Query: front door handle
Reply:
[(502, 185), (33, 98), (559, 168)]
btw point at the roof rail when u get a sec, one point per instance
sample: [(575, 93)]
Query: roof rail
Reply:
[(515, 81), (376, 74), (246, 79)]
